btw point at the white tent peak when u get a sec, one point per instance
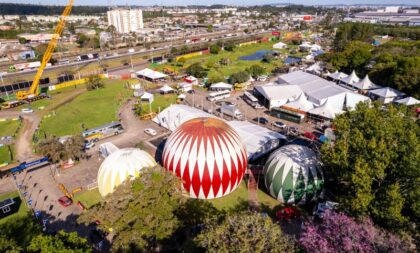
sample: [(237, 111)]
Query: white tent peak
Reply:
[(351, 79), (301, 103), (408, 101), (387, 92), (365, 84), (326, 110), (338, 75)]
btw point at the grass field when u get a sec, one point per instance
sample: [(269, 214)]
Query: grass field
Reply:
[(88, 198), (211, 61), (23, 210), (9, 127), (160, 101), (89, 109), (5, 156)]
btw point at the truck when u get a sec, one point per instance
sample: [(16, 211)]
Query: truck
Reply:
[(231, 110), (26, 66)]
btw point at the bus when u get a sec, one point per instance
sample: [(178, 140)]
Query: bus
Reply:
[(250, 99), (218, 95), (101, 132), (85, 57)]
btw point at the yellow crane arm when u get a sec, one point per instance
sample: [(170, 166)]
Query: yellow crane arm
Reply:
[(33, 90)]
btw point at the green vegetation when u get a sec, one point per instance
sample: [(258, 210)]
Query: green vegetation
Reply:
[(212, 62), (5, 155), (9, 127), (394, 63), (88, 110), (88, 198), (373, 167), (22, 212), (72, 148), (160, 102)]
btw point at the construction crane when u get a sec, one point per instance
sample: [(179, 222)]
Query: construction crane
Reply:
[(33, 92)]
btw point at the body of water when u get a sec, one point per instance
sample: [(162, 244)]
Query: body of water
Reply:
[(259, 55)]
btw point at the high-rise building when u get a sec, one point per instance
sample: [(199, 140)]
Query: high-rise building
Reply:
[(126, 20)]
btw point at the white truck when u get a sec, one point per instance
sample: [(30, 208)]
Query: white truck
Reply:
[(230, 110)]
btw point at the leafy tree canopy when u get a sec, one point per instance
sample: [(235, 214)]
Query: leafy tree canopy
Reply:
[(239, 77), (256, 70), (244, 232), (196, 70), (373, 167), (215, 49), (141, 212)]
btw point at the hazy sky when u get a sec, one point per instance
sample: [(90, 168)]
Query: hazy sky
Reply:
[(207, 2)]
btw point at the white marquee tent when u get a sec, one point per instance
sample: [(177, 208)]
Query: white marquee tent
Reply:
[(408, 101), (150, 74), (386, 95), (351, 79), (365, 84), (221, 86), (280, 45), (337, 75), (326, 110), (301, 104), (278, 95)]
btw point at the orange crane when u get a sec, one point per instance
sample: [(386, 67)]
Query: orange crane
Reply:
[(33, 92)]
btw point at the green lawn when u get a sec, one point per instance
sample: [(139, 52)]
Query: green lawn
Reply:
[(9, 127), (23, 210), (160, 101), (211, 61), (91, 109), (88, 198), (5, 154)]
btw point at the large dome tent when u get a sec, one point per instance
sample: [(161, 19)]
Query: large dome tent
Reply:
[(120, 165), (292, 175), (208, 155)]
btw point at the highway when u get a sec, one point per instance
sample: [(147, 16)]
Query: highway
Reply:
[(9, 78)]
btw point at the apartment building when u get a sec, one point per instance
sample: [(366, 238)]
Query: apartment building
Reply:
[(126, 20)]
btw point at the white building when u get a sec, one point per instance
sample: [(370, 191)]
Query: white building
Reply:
[(126, 21)]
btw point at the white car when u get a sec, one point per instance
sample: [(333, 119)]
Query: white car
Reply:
[(89, 145), (27, 110), (150, 131)]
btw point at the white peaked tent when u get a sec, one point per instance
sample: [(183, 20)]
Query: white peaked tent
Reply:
[(315, 68), (326, 110), (365, 84), (352, 99), (351, 79), (301, 103), (408, 101), (166, 89), (147, 97), (386, 95), (338, 75), (279, 45)]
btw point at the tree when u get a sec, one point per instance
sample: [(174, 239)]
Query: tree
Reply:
[(174, 50), (210, 28), (215, 49), (225, 61), (339, 233), (215, 77), (72, 28), (61, 242), (181, 61), (244, 232), (229, 47), (196, 70), (373, 167), (73, 148), (82, 40), (141, 212), (22, 40), (256, 70), (94, 82), (239, 77), (246, 30)]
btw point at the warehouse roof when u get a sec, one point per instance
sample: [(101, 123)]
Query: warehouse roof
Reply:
[(151, 74), (276, 92)]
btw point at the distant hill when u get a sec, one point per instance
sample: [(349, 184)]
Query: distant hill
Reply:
[(30, 9)]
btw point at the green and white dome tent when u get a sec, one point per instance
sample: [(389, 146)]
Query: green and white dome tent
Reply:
[(293, 176)]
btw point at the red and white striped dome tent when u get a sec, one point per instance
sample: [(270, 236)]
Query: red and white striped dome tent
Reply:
[(208, 155)]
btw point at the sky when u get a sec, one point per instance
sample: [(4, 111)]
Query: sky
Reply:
[(209, 2)]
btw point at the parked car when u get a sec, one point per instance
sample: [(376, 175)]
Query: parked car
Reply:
[(150, 131), (259, 106), (310, 136), (89, 145), (65, 201), (27, 110), (261, 120), (293, 131), (280, 125)]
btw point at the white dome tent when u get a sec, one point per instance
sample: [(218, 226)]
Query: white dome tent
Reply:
[(120, 165)]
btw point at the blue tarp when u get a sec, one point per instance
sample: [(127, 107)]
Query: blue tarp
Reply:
[(291, 59)]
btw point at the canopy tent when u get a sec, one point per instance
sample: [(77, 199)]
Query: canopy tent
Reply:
[(182, 96), (351, 79), (280, 45), (147, 97), (191, 79), (166, 89), (386, 95), (326, 111), (352, 99), (337, 75), (315, 68), (301, 104), (221, 86), (150, 75), (278, 95), (365, 84), (408, 101)]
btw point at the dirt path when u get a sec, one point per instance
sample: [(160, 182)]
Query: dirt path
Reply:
[(252, 192)]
